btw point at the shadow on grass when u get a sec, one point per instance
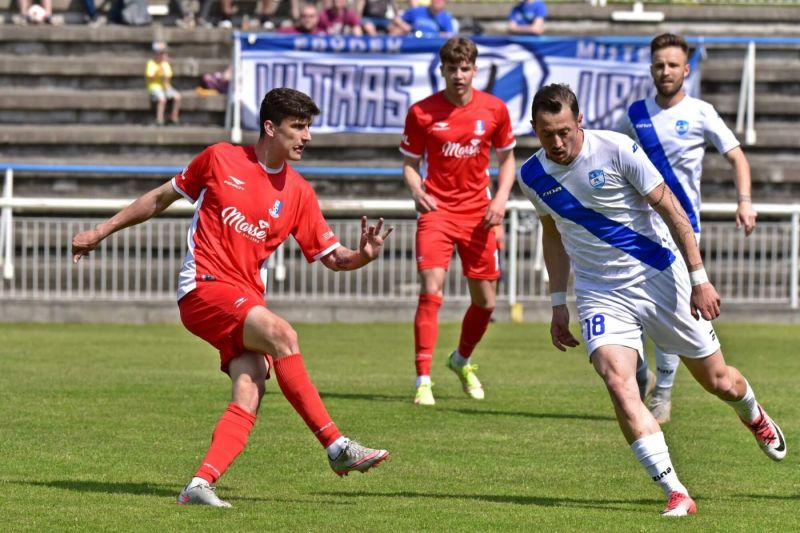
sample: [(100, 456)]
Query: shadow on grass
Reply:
[(539, 501), (405, 398), (558, 416), (366, 396), (165, 490), (770, 496), (106, 487)]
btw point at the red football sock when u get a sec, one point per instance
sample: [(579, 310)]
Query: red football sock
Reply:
[(476, 320), (301, 393), (426, 330), (227, 441)]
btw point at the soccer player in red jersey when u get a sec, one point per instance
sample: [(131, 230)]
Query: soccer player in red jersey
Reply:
[(249, 200), (453, 131)]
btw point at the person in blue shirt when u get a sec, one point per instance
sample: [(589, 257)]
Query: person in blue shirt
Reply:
[(425, 21), (527, 17)]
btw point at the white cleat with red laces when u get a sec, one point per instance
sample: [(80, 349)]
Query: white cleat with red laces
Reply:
[(768, 435), (355, 457), (679, 504)]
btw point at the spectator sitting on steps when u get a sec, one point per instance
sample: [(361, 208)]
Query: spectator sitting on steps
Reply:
[(340, 19), (421, 21), (34, 13), (527, 17), (306, 23), (158, 73)]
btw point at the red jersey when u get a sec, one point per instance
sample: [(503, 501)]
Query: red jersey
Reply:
[(455, 142), (243, 214)]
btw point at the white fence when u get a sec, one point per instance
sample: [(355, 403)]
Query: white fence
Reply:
[(141, 263)]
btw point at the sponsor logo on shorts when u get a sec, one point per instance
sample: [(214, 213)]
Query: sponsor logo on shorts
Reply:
[(183, 173), (420, 259), (327, 235), (254, 231), (234, 182), (404, 139), (635, 147), (682, 127), (455, 149), (239, 302)]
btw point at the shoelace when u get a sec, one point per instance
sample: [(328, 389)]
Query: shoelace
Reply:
[(763, 430), (674, 499), (657, 402), (468, 371)]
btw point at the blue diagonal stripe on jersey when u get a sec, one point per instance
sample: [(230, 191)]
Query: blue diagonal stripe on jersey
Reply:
[(617, 235), (649, 140)]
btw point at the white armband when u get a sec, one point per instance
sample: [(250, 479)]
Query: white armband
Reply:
[(558, 298), (698, 277)]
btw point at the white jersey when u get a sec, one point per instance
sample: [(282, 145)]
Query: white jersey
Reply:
[(675, 140), (613, 237)]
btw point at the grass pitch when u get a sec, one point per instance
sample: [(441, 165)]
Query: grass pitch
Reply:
[(102, 425)]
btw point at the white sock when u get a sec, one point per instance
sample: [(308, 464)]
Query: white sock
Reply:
[(196, 481), (336, 447), (746, 406), (652, 453), (459, 360), (423, 380), (666, 368)]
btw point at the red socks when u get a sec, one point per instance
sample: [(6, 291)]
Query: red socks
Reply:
[(476, 320), (227, 442), (301, 393), (426, 330)]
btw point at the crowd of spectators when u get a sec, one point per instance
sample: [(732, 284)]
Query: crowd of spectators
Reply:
[(420, 18)]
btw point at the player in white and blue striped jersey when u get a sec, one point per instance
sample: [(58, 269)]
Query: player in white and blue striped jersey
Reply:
[(607, 213), (674, 129)]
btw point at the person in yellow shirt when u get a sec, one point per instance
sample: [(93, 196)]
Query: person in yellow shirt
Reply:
[(158, 74)]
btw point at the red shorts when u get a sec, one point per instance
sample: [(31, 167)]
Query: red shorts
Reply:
[(215, 312), (438, 232)]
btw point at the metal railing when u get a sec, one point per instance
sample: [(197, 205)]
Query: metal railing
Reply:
[(141, 263)]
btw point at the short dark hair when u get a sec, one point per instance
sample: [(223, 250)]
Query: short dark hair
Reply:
[(458, 50), (283, 102), (552, 98), (666, 40)]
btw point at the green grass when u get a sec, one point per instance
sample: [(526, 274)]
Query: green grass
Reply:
[(100, 426)]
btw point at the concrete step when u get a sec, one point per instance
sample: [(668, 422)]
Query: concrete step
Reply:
[(103, 65), (50, 99), (114, 41), (779, 105), (583, 11)]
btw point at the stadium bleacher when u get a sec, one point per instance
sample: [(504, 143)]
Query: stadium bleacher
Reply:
[(74, 94)]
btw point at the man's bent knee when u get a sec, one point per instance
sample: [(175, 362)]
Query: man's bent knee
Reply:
[(266, 332)]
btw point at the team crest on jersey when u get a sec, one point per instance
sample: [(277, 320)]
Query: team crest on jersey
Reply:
[(275, 212), (480, 127), (597, 178), (682, 126)]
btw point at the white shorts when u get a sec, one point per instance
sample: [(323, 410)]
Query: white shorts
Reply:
[(159, 94), (660, 307)]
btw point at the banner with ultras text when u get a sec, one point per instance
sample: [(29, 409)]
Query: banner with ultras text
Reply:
[(367, 84)]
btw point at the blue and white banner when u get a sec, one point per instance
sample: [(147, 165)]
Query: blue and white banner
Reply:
[(367, 84)]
